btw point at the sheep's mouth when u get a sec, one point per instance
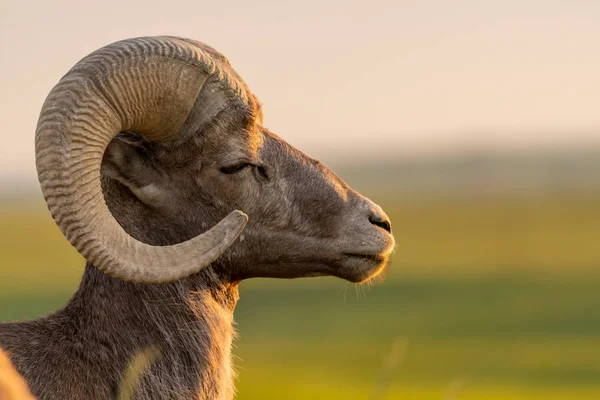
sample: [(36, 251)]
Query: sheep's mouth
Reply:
[(358, 267), (375, 258)]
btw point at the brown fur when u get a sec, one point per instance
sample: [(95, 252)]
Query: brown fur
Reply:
[(303, 221)]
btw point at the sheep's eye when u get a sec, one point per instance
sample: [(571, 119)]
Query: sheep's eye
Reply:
[(234, 169)]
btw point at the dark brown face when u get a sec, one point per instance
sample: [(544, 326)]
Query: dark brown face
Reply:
[(303, 219)]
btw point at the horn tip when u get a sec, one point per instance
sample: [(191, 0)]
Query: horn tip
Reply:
[(239, 216)]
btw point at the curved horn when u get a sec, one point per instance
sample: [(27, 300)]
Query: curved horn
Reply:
[(150, 86)]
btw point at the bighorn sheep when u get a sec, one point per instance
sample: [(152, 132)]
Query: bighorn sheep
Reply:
[(141, 149)]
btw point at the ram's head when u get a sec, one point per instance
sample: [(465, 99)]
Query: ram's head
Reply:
[(153, 159)]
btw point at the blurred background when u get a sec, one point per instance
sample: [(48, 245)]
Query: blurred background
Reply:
[(474, 124)]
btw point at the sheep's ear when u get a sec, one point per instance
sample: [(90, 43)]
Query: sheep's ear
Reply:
[(128, 160)]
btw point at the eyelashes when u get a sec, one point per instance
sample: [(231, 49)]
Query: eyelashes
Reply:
[(237, 168), (234, 169)]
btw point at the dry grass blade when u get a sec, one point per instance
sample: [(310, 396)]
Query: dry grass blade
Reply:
[(12, 385), (390, 363), (455, 387), (138, 365)]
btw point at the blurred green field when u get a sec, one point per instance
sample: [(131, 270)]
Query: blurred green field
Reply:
[(486, 298)]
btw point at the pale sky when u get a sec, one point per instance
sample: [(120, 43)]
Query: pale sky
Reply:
[(342, 78)]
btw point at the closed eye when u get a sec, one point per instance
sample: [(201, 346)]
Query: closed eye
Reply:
[(234, 169)]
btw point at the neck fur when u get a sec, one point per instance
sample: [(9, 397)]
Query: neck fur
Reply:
[(188, 322)]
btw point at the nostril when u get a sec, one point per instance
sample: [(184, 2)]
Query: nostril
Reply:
[(381, 221)]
